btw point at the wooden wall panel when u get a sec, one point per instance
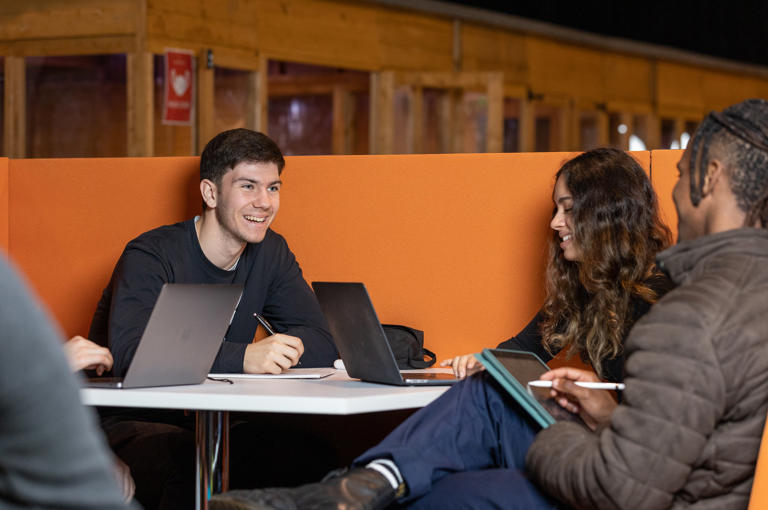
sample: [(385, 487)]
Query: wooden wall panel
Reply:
[(627, 79), (570, 71), (336, 34), (679, 86), (51, 19), (721, 90), (201, 30), (486, 49), (414, 42), (98, 45)]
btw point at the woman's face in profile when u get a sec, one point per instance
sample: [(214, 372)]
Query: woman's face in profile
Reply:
[(561, 222)]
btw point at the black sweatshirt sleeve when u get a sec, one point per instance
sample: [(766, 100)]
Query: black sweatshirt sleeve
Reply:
[(136, 285), (529, 339), (292, 308)]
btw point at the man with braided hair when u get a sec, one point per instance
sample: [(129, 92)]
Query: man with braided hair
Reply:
[(687, 431)]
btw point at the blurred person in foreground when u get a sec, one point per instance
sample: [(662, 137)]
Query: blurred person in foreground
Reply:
[(52, 454)]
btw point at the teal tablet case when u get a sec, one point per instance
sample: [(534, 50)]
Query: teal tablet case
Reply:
[(514, 387)]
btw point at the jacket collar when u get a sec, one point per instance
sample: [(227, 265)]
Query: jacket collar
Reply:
[(680, 259)]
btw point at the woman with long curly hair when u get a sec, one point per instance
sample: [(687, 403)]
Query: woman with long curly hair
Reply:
[(600, 276), (467, 448)]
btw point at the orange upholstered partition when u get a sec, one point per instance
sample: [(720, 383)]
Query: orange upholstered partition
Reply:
[(759, 496), (664, 177), (4, 196), (70, 219), (451, 244)]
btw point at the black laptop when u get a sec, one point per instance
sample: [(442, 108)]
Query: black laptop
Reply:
[(361, 340), (182, 337)]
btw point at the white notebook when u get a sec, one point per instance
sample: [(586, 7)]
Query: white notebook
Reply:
[(291, 373)]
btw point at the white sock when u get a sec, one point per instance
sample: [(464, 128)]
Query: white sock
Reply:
[(388, 470)]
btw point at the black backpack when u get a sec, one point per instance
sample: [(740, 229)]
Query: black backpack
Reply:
[(408, 347)]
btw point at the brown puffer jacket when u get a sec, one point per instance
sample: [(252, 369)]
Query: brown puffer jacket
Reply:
[(688, 430)]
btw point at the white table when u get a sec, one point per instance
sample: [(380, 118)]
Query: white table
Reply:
[(213, 400)]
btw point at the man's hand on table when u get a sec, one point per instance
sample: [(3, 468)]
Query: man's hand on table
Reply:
[(272, 355)]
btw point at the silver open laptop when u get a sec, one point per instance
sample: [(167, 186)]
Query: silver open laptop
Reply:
[(361, 341), (182, 337)]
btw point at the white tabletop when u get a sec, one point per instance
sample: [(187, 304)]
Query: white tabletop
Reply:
[(337, 394)]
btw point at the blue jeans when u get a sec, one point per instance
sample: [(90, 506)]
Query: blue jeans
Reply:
[(465, 450)]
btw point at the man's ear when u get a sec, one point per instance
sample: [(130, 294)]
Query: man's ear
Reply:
[(715, 174), (208, 191)]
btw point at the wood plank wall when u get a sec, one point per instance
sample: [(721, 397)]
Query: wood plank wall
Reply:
[(243, 34)]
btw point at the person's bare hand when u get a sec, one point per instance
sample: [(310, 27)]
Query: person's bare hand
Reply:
[(124, 479), (594, 406), (463, 366), (273, 354), (83, 354)]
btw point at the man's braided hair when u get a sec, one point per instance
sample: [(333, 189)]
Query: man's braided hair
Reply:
[(739, 136)]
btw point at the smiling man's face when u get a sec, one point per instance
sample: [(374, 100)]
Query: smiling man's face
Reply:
[(247, 201)]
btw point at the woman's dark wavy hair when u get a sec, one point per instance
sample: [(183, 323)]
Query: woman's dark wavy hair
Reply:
[(617, 229)]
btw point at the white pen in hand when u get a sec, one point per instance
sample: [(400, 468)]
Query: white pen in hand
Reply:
[(583, 384)]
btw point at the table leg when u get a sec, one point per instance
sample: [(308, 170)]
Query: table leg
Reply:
[(211, 455)]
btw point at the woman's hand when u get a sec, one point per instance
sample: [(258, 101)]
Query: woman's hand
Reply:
[(594, 406), (83, 354), (463, 366)]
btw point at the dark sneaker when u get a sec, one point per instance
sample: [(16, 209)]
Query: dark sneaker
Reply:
[(357, 489)]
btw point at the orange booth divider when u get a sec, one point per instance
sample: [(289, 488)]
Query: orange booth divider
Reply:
[(451, 244), (4, 195), (454, 245), (664, 177), (71, 218)]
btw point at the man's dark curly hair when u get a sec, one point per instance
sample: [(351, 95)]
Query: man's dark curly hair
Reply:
[(738, 136), (229, 148)]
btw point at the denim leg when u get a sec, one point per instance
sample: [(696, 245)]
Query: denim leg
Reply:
[(473, 426), (489, 489)]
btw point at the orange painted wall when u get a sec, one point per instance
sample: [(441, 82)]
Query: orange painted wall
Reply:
[(664, 177), (759, 498), (70, 219), (451, 244), (4, 196)]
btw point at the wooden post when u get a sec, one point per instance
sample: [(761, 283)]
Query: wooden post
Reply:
[(603, 125), (565, 127), (140, 91), (494, 141), (447, 114), (252, 107), (625, 119), (417, 120), (652, 131), (262, 96), (679, 127), (526, 126), (205, 98), (382, 122), (15, 103), (458, 121), (341, 120)]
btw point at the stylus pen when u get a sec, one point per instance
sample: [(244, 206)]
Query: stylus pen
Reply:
[(265, 324), (583, 384)]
